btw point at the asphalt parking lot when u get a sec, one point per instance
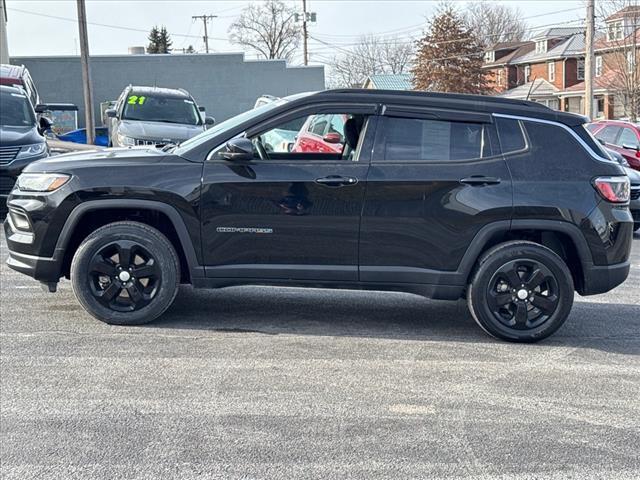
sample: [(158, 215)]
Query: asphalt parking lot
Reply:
[(253, 383)]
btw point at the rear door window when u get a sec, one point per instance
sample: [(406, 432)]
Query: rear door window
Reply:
[(421, 139), (608, 134)]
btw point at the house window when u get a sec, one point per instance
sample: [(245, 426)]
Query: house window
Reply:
[(580, 68), (600, 107), (500, 77), (541, 46), (527, 73), (490, 56), (631, 61), (614, 31), (598, 71), (551, 69)]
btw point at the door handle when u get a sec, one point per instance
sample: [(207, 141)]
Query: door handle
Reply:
[(480, 180), (336, 181)]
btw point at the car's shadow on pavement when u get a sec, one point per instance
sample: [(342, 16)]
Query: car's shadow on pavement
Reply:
[(271, 311)]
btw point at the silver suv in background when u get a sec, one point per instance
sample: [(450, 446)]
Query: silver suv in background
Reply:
[(154, 116)]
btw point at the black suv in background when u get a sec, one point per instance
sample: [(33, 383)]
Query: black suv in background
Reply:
[(508, 203), (22, 138)]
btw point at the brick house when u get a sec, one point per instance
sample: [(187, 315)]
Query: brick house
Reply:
[(550, 67)]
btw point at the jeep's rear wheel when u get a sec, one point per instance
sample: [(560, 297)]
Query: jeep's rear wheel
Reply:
[(125, 273), (521, 291)]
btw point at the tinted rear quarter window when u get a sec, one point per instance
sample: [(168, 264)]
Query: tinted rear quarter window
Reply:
[(417, 139), (511, 135)]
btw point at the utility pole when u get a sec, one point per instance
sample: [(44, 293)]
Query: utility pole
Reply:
[(86, 74), (305, 33), (205, 19), (589, 60)]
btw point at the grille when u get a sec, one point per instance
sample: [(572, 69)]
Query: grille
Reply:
[(158, 144), (635, 193), (7, 154), (6, 185)]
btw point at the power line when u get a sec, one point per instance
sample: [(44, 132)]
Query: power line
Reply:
[(118, 27)]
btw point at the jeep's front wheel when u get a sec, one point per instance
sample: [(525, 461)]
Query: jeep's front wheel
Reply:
[(521, 291), (125, 273)]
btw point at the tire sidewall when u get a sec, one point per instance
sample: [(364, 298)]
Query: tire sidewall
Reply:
[(478, 288), (157, 246)]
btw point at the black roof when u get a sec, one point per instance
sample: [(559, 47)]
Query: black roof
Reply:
[(456, 101)]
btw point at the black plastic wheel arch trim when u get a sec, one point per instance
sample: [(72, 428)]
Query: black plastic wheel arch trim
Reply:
[(196, 270)]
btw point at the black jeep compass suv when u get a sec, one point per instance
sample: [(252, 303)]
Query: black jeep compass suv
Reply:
[(508, 203)]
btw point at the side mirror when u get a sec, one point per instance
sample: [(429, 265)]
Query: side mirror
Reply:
[(631, 147), (209, 121), (201, 109), (602, 142), (238, 149), (332, 137), (111, 113), (44, 124)]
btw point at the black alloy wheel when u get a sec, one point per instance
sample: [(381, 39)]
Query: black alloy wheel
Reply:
[(522, 294), (124, 276), (520, 291), (125, 273)]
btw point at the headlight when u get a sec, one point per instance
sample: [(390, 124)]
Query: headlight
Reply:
[(126, 141), (42, 182), (32, 150)]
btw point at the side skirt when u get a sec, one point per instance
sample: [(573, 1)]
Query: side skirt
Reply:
[(436, 292)]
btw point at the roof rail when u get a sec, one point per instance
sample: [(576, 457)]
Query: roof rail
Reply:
[(457, 96)]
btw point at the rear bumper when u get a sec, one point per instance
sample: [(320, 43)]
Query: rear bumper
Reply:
[(601, 279)]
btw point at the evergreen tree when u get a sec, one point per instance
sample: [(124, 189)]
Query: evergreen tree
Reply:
[(159, 40), (154, 40), (449, 57), (165, 41)]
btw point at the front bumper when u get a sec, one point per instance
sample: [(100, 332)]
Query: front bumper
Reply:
[(43, 269)]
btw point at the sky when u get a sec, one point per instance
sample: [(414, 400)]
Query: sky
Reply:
[(48, 27)]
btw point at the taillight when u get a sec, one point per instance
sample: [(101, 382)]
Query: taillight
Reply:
[(613, 189)]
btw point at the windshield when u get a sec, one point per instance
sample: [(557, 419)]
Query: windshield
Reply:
[(234, 122), (161, 109), (16, 111)]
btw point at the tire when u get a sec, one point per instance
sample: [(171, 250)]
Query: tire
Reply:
[(527, 307), (105, 267)]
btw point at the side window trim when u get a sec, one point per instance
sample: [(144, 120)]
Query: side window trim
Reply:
[(435, 113)]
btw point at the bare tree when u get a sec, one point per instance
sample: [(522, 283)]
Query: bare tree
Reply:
[(619, 51), (372, 55), (269, 28), (495, 23)]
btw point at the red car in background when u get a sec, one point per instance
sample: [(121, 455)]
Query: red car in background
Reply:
[(321, 134), (623, 137)]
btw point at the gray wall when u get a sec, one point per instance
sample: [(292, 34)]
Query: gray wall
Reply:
[(225, 84)]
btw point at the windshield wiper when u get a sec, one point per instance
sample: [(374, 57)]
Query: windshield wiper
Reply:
[(169, 146)]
